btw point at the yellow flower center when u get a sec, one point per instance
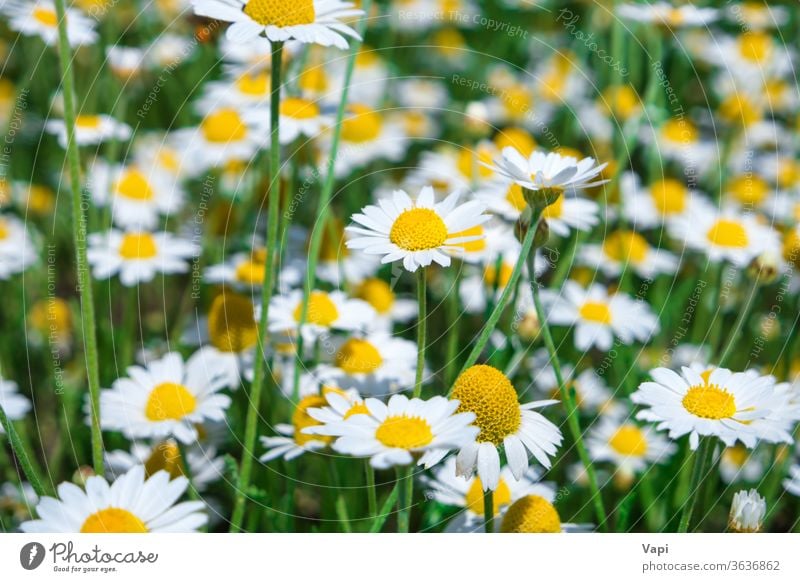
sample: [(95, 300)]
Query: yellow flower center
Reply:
[(709, 401), (475, 245), (250, 272), (223, 126), (469, 162), (358, 356), (738, 108), (629, 440), (281, 13), (45, 16), (755, 46), (231, 322), (490, 275), (133, 184), (626, 245), (404, 432), (321, 309), (377, 293), (357, 408), (622, 101), (51, 314), (669, 196), (791, 247), (301, 419), (531, 514), (736, 455), (362, 126), (313, 79), (749, 189), (418, 229), (3, 229), (679, 131), (517, 100), (165, 456), (87, 121), (40, 199), (474, 497), (728, 233), (169, 401), (515, 197), (253, 84), (517, 138), (138, 246), (299, 108), (554, 210), (487, 392), (113, 520), (596, 312)]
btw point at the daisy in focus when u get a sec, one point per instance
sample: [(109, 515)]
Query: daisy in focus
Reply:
[(132, 504), (416, 232)]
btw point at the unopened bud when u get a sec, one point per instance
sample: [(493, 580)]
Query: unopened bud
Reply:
[(764, 268), (540, 199), (747, 512)]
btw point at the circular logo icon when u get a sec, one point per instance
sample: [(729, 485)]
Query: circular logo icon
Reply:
[(31, 555)]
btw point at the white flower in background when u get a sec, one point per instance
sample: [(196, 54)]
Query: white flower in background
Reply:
[(792, 483), (166, 398), (125, 61), (17, 252), (308, 21), (737, 463), (722, 404), (748, 511), (666, 14), (449, 169), (224, 135), (418, 232), (388, 306), (599, 317), (14, 404), (549, 171), (39, 18), (326, 312), (627, 249), (137, 256), (661, 202), (591, 393), (90, 130), (630, 447), (132, 504)]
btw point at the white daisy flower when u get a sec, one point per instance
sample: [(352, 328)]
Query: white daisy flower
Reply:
[(167, 398), (598, 317), (627, 249), (39, 18), (756, 15), (630, 447), (736, 463), (301, 118), (17, 251), (502, 420), (418, 232), (591, 393), (723, 404), (90, 130), (137, 256), (536, 514), (679, 140), (727, 235), (308, 21), (341, 405), (404, 430), (792, 483), (125, 61), (661, 202), (503, 198), (244, 271), (388, 307), (14, 404), (326, 312), (748, 511), (239, 90), (132, 504), (455, 170), (666, 14), (169, 50)]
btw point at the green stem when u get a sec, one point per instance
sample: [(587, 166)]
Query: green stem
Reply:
[(372, 493), (701, 458), (25, 463), (406, 484), (741, 317), (488, 511), (452, 307), (79, 238), (421, 331), (259, 372)]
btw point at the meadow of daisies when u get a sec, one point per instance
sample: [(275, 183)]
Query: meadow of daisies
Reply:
[(399, 266)]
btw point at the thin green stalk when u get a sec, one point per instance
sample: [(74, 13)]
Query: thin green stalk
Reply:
[(488, 511), (701, 458), (341, 503), (259, 372), (25, 463), (406, 484), (372, 493), (385, 510), (452, 307), (89, 327), (422, 323), (741, 317)]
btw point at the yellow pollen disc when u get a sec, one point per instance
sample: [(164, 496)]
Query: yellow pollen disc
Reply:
[(169, 160), (555, 210), (737, 455), (531, 514), (679, 131), (791, 247), (253, 84), (301, 419), (755, 46), (749, 189), (474, 498), (88, 121), (357, 408), (487, 392), (728, 233), (596, 312), (709, 401), (52, 314), (250, 272), (113, 520), (362, 126), (358, 356), (138, 246), (626, 245), (518, 101), (165, 456), (3, 229), (469, 162), (475, 245), (622, 100), (515, 197), (492, 280), (299, 108), (40, 199), (223, 126), (314, 80), (321, 310), (517, 138), (418, 229), (738, 108), (629, 440), (377, 293), (133, 184), (231, 322), (404, 432), (669, 196), (281, 13), (169, 401)]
